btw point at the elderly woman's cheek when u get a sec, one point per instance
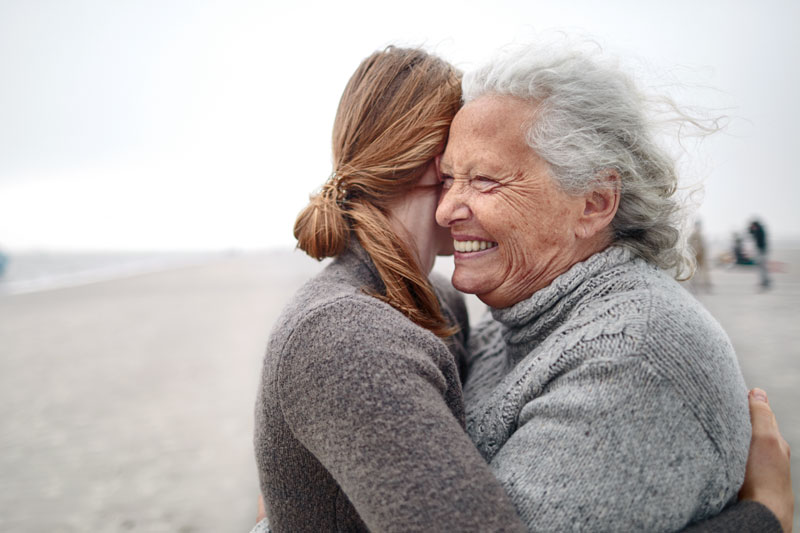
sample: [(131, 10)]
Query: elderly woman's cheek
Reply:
[(523, 201)]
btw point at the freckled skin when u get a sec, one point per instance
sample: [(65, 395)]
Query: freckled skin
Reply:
[(496, 188)]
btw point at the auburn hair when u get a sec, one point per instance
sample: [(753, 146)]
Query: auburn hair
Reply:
[(393, 119)]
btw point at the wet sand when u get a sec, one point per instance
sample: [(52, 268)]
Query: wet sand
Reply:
[(127, 405)]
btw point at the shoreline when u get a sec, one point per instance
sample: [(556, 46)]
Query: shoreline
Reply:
[(46, 271)]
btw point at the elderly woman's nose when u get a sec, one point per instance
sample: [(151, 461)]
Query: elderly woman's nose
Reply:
[(451, 207)]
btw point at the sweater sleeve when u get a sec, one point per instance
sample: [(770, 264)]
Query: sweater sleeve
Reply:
[(609, 446), (745, 517), (366, 395)]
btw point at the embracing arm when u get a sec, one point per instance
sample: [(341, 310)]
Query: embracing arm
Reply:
[(746, 516), (368, 402)]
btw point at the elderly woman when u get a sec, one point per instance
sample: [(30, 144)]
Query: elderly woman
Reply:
[(603, 396)]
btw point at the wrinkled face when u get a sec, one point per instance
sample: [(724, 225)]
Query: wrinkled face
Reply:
[(414, 216), (514, 230)]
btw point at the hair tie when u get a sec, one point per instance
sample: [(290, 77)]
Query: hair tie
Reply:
[(338, 187)]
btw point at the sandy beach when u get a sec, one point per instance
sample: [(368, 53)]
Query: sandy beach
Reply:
[(127, 405)]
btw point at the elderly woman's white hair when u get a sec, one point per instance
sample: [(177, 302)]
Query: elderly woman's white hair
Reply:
[(589, 118)]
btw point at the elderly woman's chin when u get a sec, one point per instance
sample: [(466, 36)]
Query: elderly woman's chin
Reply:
[(501, 279), (481, 273)]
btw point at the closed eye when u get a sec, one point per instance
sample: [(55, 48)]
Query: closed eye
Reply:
[(483, 184)]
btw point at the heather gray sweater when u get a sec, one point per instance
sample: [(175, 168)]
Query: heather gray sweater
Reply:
[(359, 419), (609, 401)]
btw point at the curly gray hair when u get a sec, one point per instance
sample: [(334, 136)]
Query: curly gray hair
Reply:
[(589, 118)]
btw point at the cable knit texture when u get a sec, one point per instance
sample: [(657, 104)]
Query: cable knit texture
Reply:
[(610, 400), (359, 418)]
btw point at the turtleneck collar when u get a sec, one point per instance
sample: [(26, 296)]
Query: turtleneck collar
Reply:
[(526, 323)]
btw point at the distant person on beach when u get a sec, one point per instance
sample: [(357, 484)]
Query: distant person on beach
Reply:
[(740, 257), (759, 234), (702, 274), (360, 416)]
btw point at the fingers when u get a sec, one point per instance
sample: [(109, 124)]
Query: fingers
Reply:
[(759, 395), (768, 475), (761, 416), (765, 425)]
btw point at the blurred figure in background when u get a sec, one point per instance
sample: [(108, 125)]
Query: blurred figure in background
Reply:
[(740, 256), (759, 234), (3, 262), (702, 275)]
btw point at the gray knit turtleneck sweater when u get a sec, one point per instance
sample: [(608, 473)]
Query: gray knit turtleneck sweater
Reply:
[(610, 400)]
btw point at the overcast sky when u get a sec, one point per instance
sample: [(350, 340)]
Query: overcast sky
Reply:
[(205, 124)]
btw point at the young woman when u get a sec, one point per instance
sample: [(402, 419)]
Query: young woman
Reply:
[(360, 417)]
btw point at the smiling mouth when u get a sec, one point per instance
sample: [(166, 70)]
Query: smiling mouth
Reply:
[(473, 246)]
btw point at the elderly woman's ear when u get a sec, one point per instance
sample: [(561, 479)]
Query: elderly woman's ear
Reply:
[(600, 206)]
